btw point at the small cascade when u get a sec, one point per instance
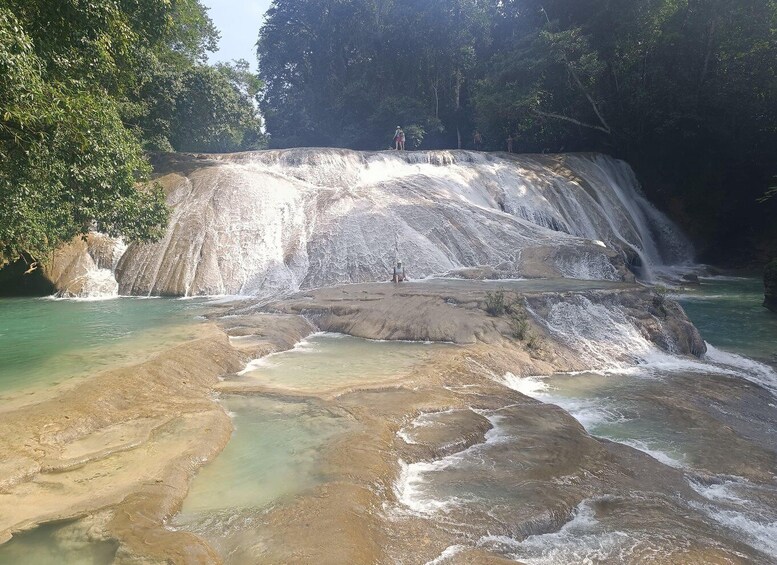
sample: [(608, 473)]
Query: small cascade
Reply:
[(266, 223), (603, 336)]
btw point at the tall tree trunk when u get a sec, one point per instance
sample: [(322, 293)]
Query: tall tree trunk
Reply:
[(457, 100)]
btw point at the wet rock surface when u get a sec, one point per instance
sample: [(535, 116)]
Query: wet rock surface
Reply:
[(269, 222), (443, 460)]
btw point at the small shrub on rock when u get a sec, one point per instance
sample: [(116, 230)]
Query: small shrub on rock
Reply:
[(519, 324), (495, 303)]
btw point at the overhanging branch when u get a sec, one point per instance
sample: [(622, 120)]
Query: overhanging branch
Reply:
[(571, 120)]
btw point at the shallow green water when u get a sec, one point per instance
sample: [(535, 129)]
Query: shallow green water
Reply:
[(44, 341), (57, 545), (729, 313), (278, 449), (273, 453), (327, 362)]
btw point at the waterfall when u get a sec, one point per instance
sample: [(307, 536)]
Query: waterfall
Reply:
[(269, 222)]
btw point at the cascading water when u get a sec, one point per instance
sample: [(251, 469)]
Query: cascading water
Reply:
[(704, 421), (269, 222)]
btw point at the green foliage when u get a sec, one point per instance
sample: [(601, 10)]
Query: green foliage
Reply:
[(214, 110), (414, 135), (84, 87), (195, 107), (520, 328), (519, 324), (684, 90), (347, 73), (67, 163), (495, 303)]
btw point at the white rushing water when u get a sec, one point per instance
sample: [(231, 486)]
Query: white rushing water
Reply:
[(695, 415), (268, 222), (613, 401)]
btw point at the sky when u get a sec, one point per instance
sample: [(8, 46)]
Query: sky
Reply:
[(238, 21)]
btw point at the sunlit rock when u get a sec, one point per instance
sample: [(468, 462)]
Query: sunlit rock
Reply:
[(270, 222)]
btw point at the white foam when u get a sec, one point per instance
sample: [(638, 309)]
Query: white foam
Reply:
[(421, 421), (753, 371), (581, 541), (761, 535), (591, 413), (657, 454), (696, 297), (303, 346), (411, 489), (720, 492), (404, 436), (95, 298), (449, 552), (532, 386), (603, 337)]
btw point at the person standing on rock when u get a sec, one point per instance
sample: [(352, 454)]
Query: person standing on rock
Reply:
[(510, 140), (399, 273), (477, 140), (398, 135)]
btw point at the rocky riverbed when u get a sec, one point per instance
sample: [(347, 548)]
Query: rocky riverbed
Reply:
[(116, 452)]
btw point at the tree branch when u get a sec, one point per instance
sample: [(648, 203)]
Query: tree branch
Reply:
[(571, 120), (606, 127)]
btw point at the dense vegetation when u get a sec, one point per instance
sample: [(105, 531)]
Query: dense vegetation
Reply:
[(686, 90), (86, 87)]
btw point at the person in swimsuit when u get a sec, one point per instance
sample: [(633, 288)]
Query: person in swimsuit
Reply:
[(397, 138)]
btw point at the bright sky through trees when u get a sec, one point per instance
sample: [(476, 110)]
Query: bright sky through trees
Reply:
[(239, 22)]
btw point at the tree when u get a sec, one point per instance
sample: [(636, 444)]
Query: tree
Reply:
[(67, 163), (347, 73), (85, 87), (202, 108), (683, 89)]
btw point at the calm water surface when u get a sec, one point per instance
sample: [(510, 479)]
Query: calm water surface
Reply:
[(729, 313), (44, 341)]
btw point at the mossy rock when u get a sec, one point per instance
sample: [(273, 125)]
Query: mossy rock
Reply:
[(770, 286)]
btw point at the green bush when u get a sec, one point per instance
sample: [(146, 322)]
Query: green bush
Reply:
[(495, 303), (533, 341), (519, 324)]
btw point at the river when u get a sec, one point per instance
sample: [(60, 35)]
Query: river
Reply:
[(714, 421), (711, 422)]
